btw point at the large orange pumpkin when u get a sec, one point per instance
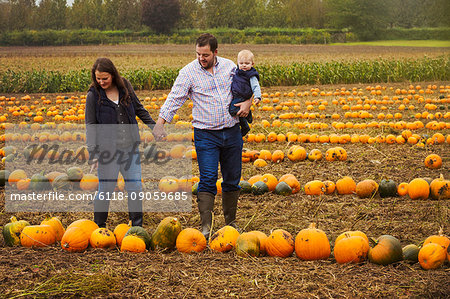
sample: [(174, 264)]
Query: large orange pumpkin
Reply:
[(351, 249), (418, 189), (190, 240), (345, 185), (433, 161), (57, 226), (88, 226), (440, 188), (120, 231), (102, 238), (75, 239), (366, 188), (315, 187), (312, 244), (280, 243), (432, 256), (89, 182), (37, 236), (224, 239), (132, 243)]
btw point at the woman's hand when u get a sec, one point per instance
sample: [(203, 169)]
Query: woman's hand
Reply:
[(244, 108), (158, 130)]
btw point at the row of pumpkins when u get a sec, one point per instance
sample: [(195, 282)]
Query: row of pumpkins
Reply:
[(310, 243), (418, 188)]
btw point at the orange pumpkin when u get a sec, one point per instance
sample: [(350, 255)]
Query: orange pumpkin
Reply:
[(352, 233), (418, 189), (270, 180), (329, 187), (280, 243), (88, 226), (37, 236), (224, 239), (366, 188), (387, 250), (16, 176), (102, 238), (402, 189), (75, 239), (440, 188), (296, 153), (433, 161), (89, 182), (432, 256), (132, 243), (190, 240), (440, 239), (315, 155), (345, 185), (260, 163), (120, 231), (168, 184), (312, 244), (351, 249), (315, 187), (277, 156)]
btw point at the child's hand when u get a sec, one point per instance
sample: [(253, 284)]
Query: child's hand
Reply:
[(256, 100)]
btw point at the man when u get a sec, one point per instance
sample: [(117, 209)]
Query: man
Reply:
[(207, 82)]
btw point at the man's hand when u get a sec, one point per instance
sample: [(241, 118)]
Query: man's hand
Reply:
[(158, 130), (256, 101), (244, 108)]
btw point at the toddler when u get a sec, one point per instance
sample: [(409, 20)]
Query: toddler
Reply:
[(245, 84)]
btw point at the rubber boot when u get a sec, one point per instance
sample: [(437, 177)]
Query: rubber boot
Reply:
[(205, 201), (229, 205)]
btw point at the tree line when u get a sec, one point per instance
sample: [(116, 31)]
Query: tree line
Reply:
[(363, 17)]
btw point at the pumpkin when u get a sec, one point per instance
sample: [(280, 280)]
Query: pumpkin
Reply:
[(387, 188), (341, 153), (277, 156), (254, 179), (168, 184), (102, 238), (11, 231), (283, 188), (89, 182), (315, 155), (296, 153), (224, 239), (195, 188), (245, 187), (440, 188), (139, 232), (411, 253), (345, 185), (52, 175), (262, 241), (402, 189), (57, 226), (432, 256), (329, 187), (75, 174), (312, 244), (39, 182), (315, 187), (387, 250), (433, 161), (259, 188), (190, 240), (120, 231), (75, 239), (366, 188), (23, 184), (331, 154), (132, 243), (61, 182), (16, 175), (247, 244), (260, 163), (351, 249), (352, 233), (166, 233), (37, 236), (280, 243), (418, 189), (88, 226)]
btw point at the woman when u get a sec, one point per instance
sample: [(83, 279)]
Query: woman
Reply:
[(112, 136)]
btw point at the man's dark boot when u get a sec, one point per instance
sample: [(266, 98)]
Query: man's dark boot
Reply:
[(229, 205), (205, 201)]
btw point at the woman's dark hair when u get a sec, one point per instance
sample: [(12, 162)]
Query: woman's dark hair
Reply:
[(105, 65), (207, 39)]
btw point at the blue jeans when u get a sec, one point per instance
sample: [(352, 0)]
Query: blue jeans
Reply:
[(129, 166), (214, 147)]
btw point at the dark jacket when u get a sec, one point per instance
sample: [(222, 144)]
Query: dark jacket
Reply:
[(100, 113), (240, 87)]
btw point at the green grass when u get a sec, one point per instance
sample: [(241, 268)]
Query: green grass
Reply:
[(401, 43)]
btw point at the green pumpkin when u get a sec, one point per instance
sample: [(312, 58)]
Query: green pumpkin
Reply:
[(387, 188), (140, 232), (39, 182), (387, 250), (259, 188), (283, 188), (12, 230), (9, 150), (165, 235), (411, 253), (61, 182), (247, 244), (245, 187), (195, 188), (4, 175), (9, 158), (75, 174)]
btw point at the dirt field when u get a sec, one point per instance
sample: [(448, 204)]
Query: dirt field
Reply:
[(157, 56), (52, 272)]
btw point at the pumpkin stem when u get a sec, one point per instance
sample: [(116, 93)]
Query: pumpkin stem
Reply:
[(347, 235), (441, 231), (373, 241), (13, 219), (129, 223), (312, 225)]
